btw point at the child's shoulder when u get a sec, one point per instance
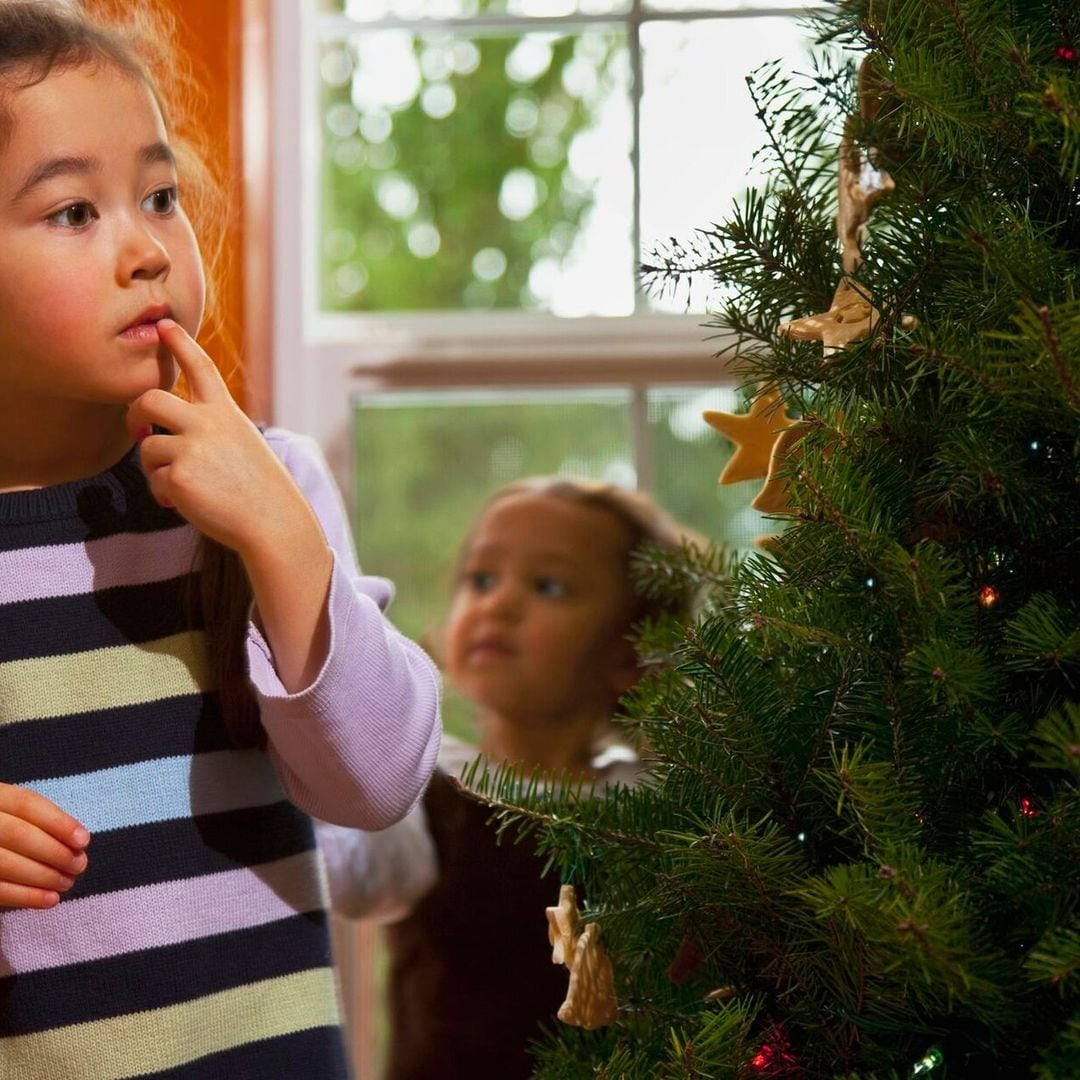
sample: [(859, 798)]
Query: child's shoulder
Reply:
[(456, 754), (293, 448)]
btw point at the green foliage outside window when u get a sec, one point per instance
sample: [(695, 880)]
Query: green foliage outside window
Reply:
[(449, 192)]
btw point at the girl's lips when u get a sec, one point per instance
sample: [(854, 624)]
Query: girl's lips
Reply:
[(493, 647), (145, 333)]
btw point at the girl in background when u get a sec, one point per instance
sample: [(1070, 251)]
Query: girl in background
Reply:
[(538, 639), (191, 662)]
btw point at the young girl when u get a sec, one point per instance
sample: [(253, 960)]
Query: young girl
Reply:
[(191, 663), (538, 639)]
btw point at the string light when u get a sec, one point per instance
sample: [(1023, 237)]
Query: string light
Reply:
[(932, 1059), (988, 596), (772, 1056), (1027, 808)]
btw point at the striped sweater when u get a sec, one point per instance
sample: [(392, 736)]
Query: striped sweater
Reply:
[(196, 942)]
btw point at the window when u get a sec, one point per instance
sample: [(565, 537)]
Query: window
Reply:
[(463, 189)]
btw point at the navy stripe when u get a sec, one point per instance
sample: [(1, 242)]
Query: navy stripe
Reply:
[(38, 749), (155, 978), (129, 614), (317, 1053), (191, 847), (100, 513), (114, 501)]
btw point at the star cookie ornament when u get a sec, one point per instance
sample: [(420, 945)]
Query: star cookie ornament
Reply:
[(564, 926), (753, 433), (773, 497), (590, 997), (850, 318)]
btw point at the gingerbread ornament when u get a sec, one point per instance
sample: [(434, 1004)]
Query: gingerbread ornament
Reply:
[(564, 926), (753, 434), (773, 497), (765, 436), (860, 183), (851, 317), (590, 997), (860, 186)]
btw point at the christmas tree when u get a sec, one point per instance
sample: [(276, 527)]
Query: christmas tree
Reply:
[(857, 852)]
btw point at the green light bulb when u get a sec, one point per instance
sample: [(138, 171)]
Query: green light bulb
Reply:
[(934, 1057)]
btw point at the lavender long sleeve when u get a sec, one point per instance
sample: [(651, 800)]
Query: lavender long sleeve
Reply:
[(358, 745)]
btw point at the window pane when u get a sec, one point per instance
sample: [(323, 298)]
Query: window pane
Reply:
[(695, 160), (425, 463), (372, 10), (477, 171), (687, 458)]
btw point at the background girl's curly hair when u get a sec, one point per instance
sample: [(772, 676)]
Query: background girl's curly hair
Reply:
[(41, 37), (649, 525)]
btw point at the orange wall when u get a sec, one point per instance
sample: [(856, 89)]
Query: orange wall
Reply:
[(217, 35)]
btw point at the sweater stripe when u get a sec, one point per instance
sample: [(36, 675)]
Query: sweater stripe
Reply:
[(74, 569), (302, 1053), (168, 850), (112, 924), (111, 737), (167, 788), (156, 978), (120, 1047), (99, 678), (44, 628)]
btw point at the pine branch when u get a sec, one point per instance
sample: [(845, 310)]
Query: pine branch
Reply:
[(1061, 366)]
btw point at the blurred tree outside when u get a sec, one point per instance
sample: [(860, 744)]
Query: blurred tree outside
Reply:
[(449, 177)]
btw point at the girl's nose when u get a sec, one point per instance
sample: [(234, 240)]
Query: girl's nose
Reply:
[(503, 600), (143, 257)]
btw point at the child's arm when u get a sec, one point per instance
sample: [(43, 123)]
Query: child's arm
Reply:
[(214, 468), (350, 706), (376, 695), (41, 849), (379, 875)]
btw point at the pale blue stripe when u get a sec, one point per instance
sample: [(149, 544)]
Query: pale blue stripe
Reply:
[(165, 789)]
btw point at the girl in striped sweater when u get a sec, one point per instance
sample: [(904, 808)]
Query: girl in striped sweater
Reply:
[(191, 663)]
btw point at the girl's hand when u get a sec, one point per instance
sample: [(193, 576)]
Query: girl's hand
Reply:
[(220, 474), (41, 849), (214, 467)]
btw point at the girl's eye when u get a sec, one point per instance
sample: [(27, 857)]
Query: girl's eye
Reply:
[(76, 216), (161, 202), (480, 580), (550, 587)]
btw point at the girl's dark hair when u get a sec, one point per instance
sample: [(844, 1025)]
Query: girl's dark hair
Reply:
[(40, 37), (649, 526)]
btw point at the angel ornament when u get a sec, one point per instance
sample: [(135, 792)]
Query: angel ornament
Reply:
[(590, 998)]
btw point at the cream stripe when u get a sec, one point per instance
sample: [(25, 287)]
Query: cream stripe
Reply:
[(158, 1039), (103, 678), (38, 573)]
